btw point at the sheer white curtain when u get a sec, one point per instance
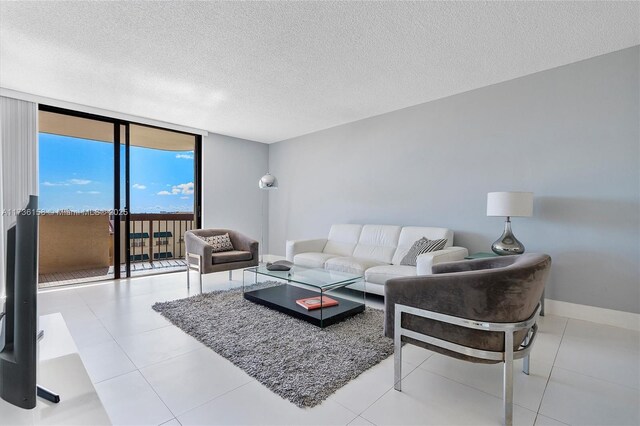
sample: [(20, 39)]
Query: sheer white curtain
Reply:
[(18, 164)]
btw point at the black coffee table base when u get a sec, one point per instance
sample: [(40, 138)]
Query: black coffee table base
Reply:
[(283, 298)]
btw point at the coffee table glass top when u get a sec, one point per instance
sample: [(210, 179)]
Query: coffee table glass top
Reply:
[(315, 277)]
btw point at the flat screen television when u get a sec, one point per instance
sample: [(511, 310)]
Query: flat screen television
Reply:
[(18, 326)]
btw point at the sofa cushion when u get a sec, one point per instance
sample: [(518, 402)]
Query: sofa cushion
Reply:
[(312, 260), (377, 242), (351, 265), (230, 256), (423, 245), (410, 234), (342, 239), (380, 274)]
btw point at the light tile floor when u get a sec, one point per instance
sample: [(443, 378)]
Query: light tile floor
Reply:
[(148, 372)]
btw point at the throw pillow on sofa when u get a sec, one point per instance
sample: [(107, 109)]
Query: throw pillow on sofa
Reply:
[(219, 243), (423, 245)]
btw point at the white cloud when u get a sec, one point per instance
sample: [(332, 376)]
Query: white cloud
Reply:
[(181, 189), (79, 181), (184, 198), (185, 156), (88, 192), (68, 182), (138, 186)]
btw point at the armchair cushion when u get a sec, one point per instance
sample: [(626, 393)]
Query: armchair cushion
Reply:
[(230, 256)]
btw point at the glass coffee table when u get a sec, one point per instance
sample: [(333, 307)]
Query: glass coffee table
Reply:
[(301, 283)]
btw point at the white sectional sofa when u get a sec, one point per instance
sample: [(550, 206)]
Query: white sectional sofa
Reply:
[(373, 250)]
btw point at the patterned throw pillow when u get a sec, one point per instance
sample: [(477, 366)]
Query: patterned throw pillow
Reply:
[(423, 245), (219, 243)]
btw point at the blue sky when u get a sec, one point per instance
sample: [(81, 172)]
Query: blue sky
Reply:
[(77, 174)]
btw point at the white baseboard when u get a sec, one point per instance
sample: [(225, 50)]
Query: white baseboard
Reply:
[(621, 319)]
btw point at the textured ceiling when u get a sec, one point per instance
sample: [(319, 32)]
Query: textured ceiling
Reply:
[(269, 71)]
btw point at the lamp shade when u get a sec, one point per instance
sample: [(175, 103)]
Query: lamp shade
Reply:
[(509, 203), (268, 181)]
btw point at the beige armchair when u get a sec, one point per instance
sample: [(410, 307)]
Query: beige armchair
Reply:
[(200, 258)]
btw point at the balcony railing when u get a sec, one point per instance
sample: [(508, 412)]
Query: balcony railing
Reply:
[(158, 236), (79, 248)]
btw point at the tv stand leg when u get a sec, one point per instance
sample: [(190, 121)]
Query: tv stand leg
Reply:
[(42, 392), (45, 393)]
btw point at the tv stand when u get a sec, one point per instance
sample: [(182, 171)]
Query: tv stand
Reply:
[(45, 393), (41, 391)]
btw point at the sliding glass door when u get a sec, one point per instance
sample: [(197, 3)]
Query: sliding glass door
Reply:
[(162, 185), (116, 197)]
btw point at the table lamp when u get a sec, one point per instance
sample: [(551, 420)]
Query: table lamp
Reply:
[(509, 204)]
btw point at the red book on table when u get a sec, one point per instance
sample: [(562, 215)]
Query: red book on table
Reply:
[(311, 303)]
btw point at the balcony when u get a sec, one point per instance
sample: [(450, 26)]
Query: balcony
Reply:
[(77, 249)]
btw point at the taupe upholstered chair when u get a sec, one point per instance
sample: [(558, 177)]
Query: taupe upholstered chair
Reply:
[(200, 257), (482, 310)]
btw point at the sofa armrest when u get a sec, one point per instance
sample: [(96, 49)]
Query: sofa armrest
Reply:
[(302, 246), (425, 261)]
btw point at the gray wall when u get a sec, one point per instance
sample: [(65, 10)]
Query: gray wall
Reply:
[(231, 169), (570, 135)]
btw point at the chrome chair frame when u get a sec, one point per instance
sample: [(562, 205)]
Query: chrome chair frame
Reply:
[(197, 266), (508, 356)]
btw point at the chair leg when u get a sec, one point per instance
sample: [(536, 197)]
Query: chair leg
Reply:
[(230, 275), (525, 360), (397, 352), (507, 385), (188, 273), (200, 277)]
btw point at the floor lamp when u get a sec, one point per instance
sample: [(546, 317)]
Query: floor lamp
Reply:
[(266, 183)]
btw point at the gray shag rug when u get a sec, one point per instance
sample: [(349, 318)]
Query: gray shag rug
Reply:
[(297, 360)]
